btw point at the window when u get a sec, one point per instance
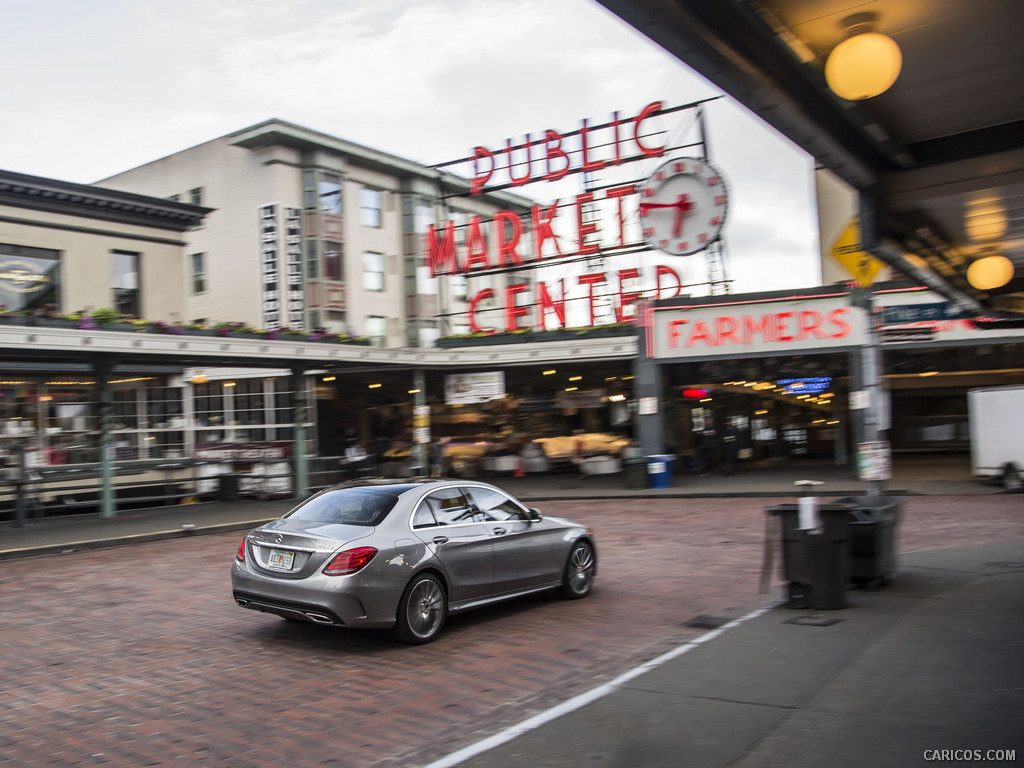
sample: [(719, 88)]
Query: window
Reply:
[(312, 259), (497, 506), (459, 287), (32, 277), (198, 261), (175, 198), (348, 506), (370, 205), (124, 279), (334, 265), (373, 271), (329, 193), (450, 507), (377, 330), (196, 196)]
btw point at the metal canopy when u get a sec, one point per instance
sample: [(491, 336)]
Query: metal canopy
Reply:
[(949, 132)]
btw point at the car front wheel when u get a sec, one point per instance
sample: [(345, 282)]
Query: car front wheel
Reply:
[(422, 610), (579, 571)]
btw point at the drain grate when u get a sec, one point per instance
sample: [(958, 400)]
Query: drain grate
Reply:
[(813, 621), (706, 622)]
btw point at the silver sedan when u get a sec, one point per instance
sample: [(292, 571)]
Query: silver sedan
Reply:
[(405, 554)]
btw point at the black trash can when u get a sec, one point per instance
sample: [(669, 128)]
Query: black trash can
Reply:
[(227, 487), (816, 564), (634, 473), (874, 521)]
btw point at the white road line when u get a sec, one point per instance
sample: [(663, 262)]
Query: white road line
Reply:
[(580, 701)]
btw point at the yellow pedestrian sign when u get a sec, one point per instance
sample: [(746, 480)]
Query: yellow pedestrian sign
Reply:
[(847, 251)]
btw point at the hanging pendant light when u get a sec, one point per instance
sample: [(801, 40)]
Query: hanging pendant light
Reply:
[(990, 272), (865, 63)]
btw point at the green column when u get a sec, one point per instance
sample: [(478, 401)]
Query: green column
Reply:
[(299, 412), (106, 442), (420, 455)]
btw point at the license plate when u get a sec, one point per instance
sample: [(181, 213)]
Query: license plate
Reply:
[(280, 559)]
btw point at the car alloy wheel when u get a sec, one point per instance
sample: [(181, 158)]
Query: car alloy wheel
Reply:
[(579, 571), (422, 611)]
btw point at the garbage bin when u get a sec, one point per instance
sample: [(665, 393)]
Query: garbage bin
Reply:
[(634, 473), (815, 563), (659, 470), (227, 487), (873, 523)]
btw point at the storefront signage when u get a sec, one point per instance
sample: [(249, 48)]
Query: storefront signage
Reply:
[(472, 388), (827, 322), (547, 158), (276, 451), (268, 245), (808, 385), (293, 260), (590, 398), (918, 313), (905, 335)]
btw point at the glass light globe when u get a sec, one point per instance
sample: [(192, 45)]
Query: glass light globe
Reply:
[(990, 272), (863, 66)]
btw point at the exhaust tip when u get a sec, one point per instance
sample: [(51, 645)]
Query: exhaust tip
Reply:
[(241, 603)]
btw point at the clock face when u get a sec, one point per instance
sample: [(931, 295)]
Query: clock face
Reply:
[(682, 206)]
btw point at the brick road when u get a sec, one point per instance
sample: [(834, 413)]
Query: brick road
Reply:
[(137, 656)]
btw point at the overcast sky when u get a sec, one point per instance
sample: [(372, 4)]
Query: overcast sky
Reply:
[(92, 89)]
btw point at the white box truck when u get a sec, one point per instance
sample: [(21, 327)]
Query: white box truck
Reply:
[(997, 435)]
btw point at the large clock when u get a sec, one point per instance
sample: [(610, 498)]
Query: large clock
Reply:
[(682, 206)]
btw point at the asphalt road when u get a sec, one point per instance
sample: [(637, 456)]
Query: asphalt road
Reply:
[(136, 655)]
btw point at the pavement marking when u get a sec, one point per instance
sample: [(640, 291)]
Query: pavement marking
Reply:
[(583, 699)]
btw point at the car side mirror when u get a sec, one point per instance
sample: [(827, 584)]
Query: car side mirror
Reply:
[(534, 515)]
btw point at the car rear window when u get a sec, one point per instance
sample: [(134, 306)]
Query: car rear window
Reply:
[(348, 506)]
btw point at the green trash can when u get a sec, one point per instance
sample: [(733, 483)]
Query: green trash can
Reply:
[(634, 473)]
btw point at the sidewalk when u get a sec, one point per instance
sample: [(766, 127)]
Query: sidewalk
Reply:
[(61, 533), (931, 663)]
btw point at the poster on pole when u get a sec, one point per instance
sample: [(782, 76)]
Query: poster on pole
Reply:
[(874, 461), (470, 388)]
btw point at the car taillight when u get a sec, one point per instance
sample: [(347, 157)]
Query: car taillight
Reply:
[(240, 555), (349, 561)]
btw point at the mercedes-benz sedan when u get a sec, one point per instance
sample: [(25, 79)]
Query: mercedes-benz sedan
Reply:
[(405, 554)]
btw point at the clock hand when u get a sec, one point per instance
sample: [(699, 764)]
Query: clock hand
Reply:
[(682, 207)]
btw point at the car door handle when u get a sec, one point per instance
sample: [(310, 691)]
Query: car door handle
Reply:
[(498, 531), (440, 539)]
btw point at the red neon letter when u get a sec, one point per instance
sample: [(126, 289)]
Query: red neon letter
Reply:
[(836, 318), (555, 151), (511, 310), (478, 181), (621, 192), (615, 139), (662, 271), (809, 322), (584, 229), (476, 246), (548, 303), (542, 229), (644, 114), (764, 327), (507, 253), (626, 299), (588, 164), (780, 326), (441, 251), (591, 280), (486, 293), (725, 328), (701, 332), (517, 182), (673, 334)]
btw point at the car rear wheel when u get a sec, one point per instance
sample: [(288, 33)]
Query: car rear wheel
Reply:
[(422, 610), (579, 571)]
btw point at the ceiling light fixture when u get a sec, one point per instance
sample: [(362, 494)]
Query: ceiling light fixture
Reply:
[(865, 63), (990, 272)]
